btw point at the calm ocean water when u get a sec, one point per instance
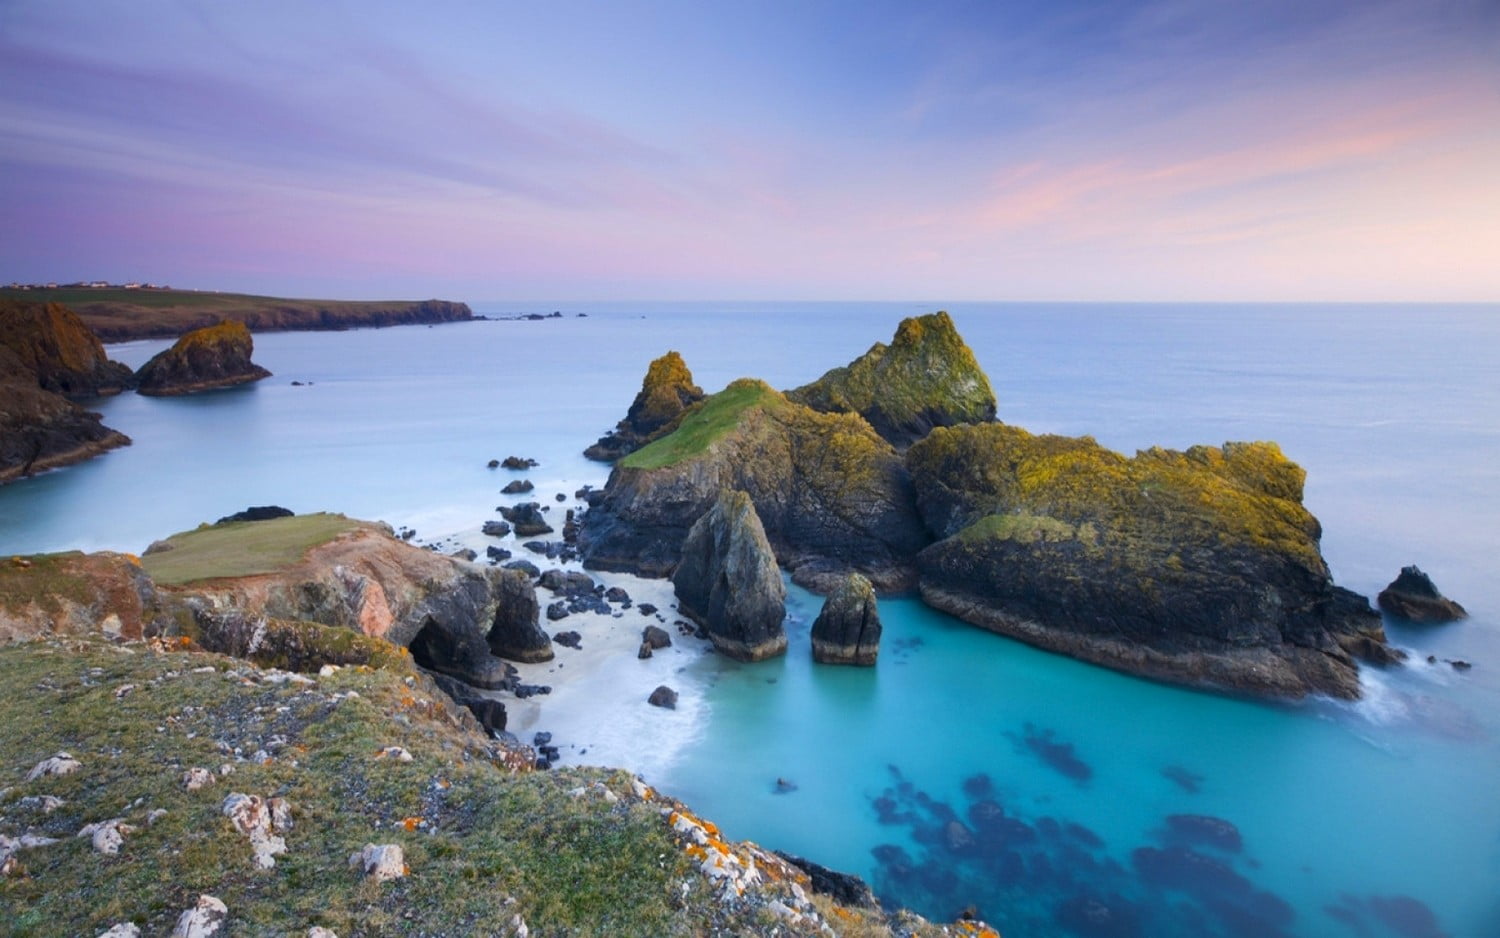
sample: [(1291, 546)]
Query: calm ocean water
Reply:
[(1380, 818)]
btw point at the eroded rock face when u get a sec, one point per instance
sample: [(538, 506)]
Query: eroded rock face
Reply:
[(1412, 596), (59, 350), (40, 429), (216, 356), (78, 594), (927, 377), (729, 583), (831, 494), (666, 392), (1199, 567), (847, 630)]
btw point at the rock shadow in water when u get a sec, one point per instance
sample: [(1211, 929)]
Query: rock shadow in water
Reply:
[(1057, 755), (1386, 917), (1189, 781)]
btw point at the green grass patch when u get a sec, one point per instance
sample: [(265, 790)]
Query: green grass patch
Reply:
[(242, 548), (708, 421)]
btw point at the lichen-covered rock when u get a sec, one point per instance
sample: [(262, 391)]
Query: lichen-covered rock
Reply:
[(59, 351), (832, 495), (263, 822), (121, 930), (42, 430), (927, 377), (54, 766), (847, 630), (1199, 567), (216, 356), (1413, 597), (79, 594), (729, 583), (666, 392), (202, 920)]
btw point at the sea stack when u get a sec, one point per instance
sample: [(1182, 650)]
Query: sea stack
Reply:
[(205, 359), (666, 392), (847, 631), (729, 583), (1413, 597)]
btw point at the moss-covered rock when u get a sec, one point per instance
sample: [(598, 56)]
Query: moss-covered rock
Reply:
[(216, 356), (41, 430), (927, 377), (1199, 567), (728, 581), (832, 495), (62, 353), (847, 630), (666, 392)]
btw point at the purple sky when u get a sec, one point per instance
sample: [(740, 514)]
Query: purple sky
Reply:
[(1174, 150)]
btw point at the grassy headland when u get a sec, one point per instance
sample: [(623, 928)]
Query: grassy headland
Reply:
[(242, 548)]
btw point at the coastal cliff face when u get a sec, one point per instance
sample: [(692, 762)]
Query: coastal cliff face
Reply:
[(454, 615), (831, 494), (1199, 567), (927, 377), (217, 356), (73, 594), (728, 581), (55, 346), (40, 429), (666, 392)]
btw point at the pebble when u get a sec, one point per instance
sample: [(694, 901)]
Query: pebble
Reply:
[(57, 765)]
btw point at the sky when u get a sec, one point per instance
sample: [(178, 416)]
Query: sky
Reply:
[(1163, 150)]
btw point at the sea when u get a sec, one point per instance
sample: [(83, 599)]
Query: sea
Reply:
[(965, 771)]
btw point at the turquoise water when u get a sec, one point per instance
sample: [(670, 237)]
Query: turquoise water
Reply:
[(1379, 818)]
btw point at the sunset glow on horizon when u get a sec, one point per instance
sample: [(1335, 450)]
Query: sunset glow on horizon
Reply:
[(1165, 150)]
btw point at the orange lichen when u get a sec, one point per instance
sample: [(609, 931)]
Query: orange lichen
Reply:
[(411, 823)]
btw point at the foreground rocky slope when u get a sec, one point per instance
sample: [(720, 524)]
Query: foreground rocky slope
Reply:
[(213, 357), (1198, 567), (830, 493)]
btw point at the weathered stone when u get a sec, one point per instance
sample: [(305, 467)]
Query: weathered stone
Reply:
[(656, 637), (213, 357), (728, 581), (517, 487), (1413, 597), (380, 862), (495, 528), (664, 697), (202, 920), (196, 777), (121, 930), (847, 630), (261, 822), (527, 518), (54, 766)]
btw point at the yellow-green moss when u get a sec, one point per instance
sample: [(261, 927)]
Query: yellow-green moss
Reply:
[(1024, 528), (242, 548)]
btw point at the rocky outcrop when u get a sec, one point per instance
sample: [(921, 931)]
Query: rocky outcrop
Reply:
[(1413, 597), (728, 581), (217, 356), (847, 630), (667, 391), (1199, 567), (40, 430), (927, 377), (63, 354), (832, 495), (79, 594), (453, 616)]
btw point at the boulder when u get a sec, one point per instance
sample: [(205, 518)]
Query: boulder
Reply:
[(380, 862), (664, 697), (495, 529), (729, 583), (847, 630), (527, 518), (519, 462), (831, 494), (1199, 567), (666, 392), (61, 354), (1413, 597), (213, 357), (568, 639), (204, 919), (517, 487), (927, 377), (655, 637)]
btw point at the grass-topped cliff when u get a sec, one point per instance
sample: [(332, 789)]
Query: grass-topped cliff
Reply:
[(666, 393), (118, 315), (243, 548), (927, 377)]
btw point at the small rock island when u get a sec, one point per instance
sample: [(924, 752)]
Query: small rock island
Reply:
[(216, 356)]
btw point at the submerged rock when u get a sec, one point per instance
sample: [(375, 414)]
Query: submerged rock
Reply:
[(666, 392), (1413, 597), (847, 630), (729, 583), (1199, 567), (213, 357), (927, 377)]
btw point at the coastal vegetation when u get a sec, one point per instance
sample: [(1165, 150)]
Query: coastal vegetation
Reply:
[(240, 548)]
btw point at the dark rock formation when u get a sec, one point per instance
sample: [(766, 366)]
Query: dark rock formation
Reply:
[(847, 630), (664, 697), (517, 487), (40, 430), (927, 377), (527, 518), (667, 391), (569, 639), (832, 495), (204, 359), (1413, 597), (495, 528), (728, 581), (259, 513), (1198, 567), (519, 462), (59, 351), (654, 636), (844, 888)]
